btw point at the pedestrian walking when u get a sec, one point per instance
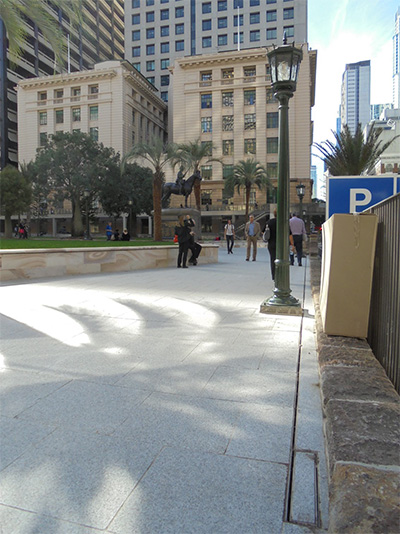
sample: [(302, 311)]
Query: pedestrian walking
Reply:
[(271, 225), (298, 230), (229, 234), (252, 231)]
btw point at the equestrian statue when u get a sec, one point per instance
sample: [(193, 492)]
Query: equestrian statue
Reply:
[(180, 186)]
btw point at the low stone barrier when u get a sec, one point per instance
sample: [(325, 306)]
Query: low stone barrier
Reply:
[(44, 263), (362, 410)]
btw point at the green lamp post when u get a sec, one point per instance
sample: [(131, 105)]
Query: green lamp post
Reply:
[(284, 62)]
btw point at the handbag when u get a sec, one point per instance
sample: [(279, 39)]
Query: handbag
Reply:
[(266, 235)]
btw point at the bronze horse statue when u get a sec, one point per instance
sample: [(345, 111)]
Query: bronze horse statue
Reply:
[(185, 188)]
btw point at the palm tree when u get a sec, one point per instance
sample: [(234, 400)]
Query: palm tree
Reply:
[(190, 155), (247, 174), (352, 155), (14, 12), (157, 155)]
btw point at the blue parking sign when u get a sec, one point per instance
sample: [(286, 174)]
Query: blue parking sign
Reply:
[(354, 194)]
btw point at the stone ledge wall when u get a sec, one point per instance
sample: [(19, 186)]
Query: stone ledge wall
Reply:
[(45, 263), (361, 409)]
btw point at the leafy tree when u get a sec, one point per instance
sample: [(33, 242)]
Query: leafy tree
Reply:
[(246, 174), (14, 12), (73, 163), (40, 188), (190, 155), (15, 195), (352, 155), (134, 184), (157, 155)]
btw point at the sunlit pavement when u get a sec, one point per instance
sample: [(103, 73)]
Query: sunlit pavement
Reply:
[(160, 401)]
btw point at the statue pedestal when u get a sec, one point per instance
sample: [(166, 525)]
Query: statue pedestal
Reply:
[(169, 218)]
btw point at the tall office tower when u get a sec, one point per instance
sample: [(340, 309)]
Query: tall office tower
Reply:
[(356, 95), (100, 37), (396, 61), (158, 31)]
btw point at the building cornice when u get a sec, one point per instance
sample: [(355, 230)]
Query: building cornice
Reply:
[(236, 56), (62, 79)]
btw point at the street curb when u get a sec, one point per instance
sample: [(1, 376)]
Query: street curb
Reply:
[(361, 423)]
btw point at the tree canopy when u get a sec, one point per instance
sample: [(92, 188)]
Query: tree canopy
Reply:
[(352, 155), (15, 195), (247, 174)]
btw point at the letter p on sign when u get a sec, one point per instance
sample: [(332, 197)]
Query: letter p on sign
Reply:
[(359, 197)]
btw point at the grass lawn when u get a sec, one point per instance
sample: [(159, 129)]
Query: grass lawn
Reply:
[(40, 242)]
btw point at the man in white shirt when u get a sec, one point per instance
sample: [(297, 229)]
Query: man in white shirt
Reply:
[(298, 229), (229, 234)]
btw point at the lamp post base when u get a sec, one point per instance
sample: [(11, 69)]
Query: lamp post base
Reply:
[(282, 306)]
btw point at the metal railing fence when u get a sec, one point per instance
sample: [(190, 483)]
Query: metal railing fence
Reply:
[(384, 321)]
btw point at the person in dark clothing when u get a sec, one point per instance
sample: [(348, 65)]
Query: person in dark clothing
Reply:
[(272, 243), (183, 231), (125, 235), (195, 248), (116, 235)]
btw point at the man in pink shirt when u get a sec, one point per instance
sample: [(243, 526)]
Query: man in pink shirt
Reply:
[(298, 229)]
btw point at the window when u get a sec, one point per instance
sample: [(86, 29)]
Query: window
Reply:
[(164, 80), (150, 33), (227, 98), (227, 170), (250, 121), (206, 101), (93, 92), (235, 37), (222, 5), (249, 97), (164, 64), (227, 74), (179, 29), (288, 13), (179, 46), (76, 114), (42, 97), (235, 20), (164, 31), (206, 172), (136, 51), (289, 31), (43, 118), (164, 1), (272, 145), (76, 94), (136, 19), (254, 36), (237, 3), (94, 113), (179, 12), (271, 1), (58, 95), (137, 66), (151, 79), (164, 14), (207, 42), (206, 7), (254, 3), (272, 170), (208, 146), (94, 133), (272, 119), (150, 65), (135, 3), (164, 96), (206, 125), (227, 123), (270, 96), (42, 138), (59, 116), (150, 50), (222, 22), (254, 18), (76, 130), (205, 78), (149, 16), (271, 16), (227, 147), (149, 2), (222, 40), (271, 33), (136, 35), (164, 48), (206, 25), (249, 146), (249, 72)]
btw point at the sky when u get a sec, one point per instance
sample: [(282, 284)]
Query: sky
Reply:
[(348, 31)]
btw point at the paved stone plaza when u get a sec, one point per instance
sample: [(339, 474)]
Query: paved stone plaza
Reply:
[(160, 401)]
